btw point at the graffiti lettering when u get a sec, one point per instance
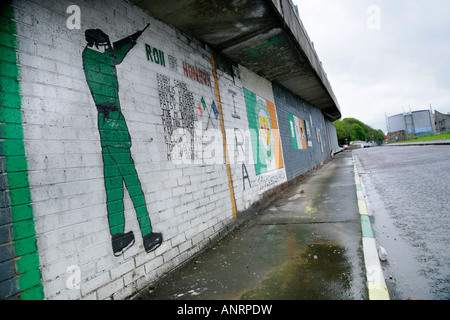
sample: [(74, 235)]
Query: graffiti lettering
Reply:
[(155, 55), (234, 114), (196, 74), (270, 179), (245, 176)]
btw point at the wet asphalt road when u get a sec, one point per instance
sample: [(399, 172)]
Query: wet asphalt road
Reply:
[(407, 191)]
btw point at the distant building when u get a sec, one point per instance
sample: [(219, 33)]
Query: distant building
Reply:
[(442, 122), (415, 122), (396, 136)]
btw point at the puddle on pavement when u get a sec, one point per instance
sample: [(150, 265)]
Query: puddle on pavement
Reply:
[(319, 272)]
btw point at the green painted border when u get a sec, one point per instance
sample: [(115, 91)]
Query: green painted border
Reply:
[(26, 260), (366, 227), (377, 289)]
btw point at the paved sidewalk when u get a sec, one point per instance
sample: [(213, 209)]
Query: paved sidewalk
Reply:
[(305, 245)]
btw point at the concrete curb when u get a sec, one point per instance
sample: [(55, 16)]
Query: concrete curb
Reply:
[(375, 278), (444, 142)]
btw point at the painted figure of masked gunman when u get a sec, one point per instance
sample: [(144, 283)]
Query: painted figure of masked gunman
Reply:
[(99, 61)]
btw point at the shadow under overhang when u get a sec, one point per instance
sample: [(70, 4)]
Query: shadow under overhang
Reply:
[(265, 36)]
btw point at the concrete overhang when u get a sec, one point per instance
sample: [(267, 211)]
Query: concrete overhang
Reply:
[(265, 36)]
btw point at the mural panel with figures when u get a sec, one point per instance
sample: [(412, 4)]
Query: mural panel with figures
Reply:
[(265, 139), (298, 132)]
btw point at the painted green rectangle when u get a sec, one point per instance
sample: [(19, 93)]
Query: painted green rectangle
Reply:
[(7, 68), (29, 279), (19, 196), (18, 180), (27, 262), (9, 84), (7, 11), (25, 246), (21, 212), (16, 163), (12, 147), (11, 131), (9, 100), (23, 229), (10, 115), (366, 227), (294, 144), (26, 258), (7, 54), (7, 39), (36, 293), (5, 23)]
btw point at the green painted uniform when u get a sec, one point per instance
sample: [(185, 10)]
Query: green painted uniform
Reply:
[(101, 76)]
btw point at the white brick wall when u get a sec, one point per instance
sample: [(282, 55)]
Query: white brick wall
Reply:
[(263, 88), (188, 203)]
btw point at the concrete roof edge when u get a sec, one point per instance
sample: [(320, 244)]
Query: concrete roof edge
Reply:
[(286, 11)]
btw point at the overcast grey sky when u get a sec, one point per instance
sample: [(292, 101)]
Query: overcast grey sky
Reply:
[(382, 56)]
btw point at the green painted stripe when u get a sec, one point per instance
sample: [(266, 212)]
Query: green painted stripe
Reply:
[(26, 258), (366, 227), (376, 285)]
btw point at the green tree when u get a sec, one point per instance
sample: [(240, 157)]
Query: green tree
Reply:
[(351, 129)]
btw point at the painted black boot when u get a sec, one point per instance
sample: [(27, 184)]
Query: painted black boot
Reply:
[(152, 241), (121, 242)]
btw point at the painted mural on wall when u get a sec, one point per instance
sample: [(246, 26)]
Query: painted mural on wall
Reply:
[(100, 59), (319, 138), (178, 112), (265, 138), (308, 133), (298, 132), (183, 117)]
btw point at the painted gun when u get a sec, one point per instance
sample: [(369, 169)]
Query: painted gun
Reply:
[(136, 35), (130, 39)]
